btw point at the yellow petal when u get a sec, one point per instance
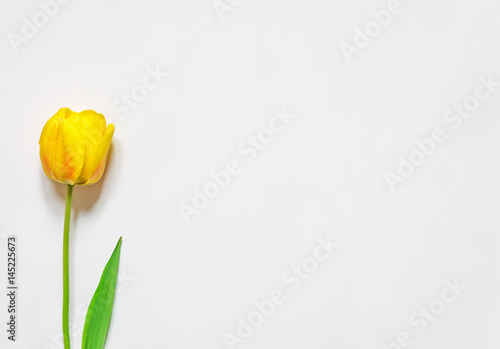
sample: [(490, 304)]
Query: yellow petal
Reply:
[(95, 157), (95, 125), (61, 146)]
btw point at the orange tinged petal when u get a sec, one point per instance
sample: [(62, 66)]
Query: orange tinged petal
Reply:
[(61, 150)]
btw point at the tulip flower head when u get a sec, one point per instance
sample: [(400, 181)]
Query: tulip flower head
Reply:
[(74, 146)]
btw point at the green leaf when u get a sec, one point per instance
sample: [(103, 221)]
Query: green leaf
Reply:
[(100, 309)]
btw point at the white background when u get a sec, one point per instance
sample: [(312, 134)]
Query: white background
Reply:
[(185, 285)]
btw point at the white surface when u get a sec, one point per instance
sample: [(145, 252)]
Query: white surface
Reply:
[(322, 176)]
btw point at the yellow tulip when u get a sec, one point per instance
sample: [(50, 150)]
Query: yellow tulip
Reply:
[(74, 146)]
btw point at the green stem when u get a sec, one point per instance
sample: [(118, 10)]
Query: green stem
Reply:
[(67, 219)]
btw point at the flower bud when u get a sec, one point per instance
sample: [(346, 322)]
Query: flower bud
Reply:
[(74, 146)]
